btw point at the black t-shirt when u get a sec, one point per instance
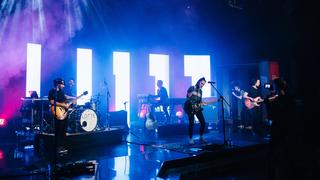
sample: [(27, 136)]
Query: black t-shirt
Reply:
[(163, 94), (238, 93), (254, 92), (59, 94), (234, 99)]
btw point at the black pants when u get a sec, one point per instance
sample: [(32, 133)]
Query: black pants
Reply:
[(60, 132), (191, 123), (254, 119)]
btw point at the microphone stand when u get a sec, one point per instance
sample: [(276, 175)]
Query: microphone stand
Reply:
[(223, 100), (108, 96)]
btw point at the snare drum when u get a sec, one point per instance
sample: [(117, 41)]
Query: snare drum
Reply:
[(82, 120)]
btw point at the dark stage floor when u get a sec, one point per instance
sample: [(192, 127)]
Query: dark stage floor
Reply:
[(139, 154)]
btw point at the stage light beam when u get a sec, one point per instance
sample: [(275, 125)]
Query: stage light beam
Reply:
[(159, 68), (84, 74), (121, 71), (197, 66), (33, 69)]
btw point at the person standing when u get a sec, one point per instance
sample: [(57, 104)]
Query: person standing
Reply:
[(193, 107), (163, 98), (253, 117), (57, 99), (236, 104)]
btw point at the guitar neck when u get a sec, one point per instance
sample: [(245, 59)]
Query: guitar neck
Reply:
[(210, 102), (75, 99)]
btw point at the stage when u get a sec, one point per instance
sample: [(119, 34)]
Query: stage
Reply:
[(107, 136), (117, 153)]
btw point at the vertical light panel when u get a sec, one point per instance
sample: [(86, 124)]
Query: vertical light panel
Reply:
[(121, 71), (33, 72), (198, 66), (159, 68), (84, 74)]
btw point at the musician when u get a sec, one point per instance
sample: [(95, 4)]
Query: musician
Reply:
[(161, 99), (70, 89), (253, 117), (237, 100), (57, 98), (194, 96)]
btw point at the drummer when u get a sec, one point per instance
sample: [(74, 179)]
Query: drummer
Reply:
[(70, 89)]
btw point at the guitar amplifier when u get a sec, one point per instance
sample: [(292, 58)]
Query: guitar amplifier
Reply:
[(118, 118)]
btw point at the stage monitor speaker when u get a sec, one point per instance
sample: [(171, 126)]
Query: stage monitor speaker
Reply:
[(118, 118), (215, 159)]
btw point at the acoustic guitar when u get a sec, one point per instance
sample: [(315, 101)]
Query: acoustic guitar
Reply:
[(151, 123), (253, 103), (61, 112)]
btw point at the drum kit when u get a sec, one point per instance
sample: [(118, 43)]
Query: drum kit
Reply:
[(81, 118)]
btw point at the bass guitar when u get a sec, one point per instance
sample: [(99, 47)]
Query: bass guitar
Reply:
[(61, 112)]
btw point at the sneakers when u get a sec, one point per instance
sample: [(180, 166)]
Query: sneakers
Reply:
[(61, 150), (202, 140), (241, 126)]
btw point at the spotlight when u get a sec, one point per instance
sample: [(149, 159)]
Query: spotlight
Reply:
[(3, 122), (142, 113), (179, 114), (1, 154)]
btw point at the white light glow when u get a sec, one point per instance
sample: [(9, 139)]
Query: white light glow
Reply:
[(122, 165), (84, 74), (198, 66), (159, 68), (121, 71), (33, 72)]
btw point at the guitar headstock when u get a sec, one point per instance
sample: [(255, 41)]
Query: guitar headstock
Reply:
[(85, 93)]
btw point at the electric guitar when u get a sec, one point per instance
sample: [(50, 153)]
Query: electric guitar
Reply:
[(192, 107), (61, 112)]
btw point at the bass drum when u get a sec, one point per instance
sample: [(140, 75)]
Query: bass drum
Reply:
[(82, 120)]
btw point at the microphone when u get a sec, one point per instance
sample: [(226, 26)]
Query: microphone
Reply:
[(211, 82)]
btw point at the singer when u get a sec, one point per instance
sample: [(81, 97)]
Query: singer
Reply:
[(192, 107)]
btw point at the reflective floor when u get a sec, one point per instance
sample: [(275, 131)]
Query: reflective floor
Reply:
[(138, 156)]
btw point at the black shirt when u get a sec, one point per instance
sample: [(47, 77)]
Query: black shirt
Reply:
[(195, 98), (254, 92), (59, 94), (163, 94)]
